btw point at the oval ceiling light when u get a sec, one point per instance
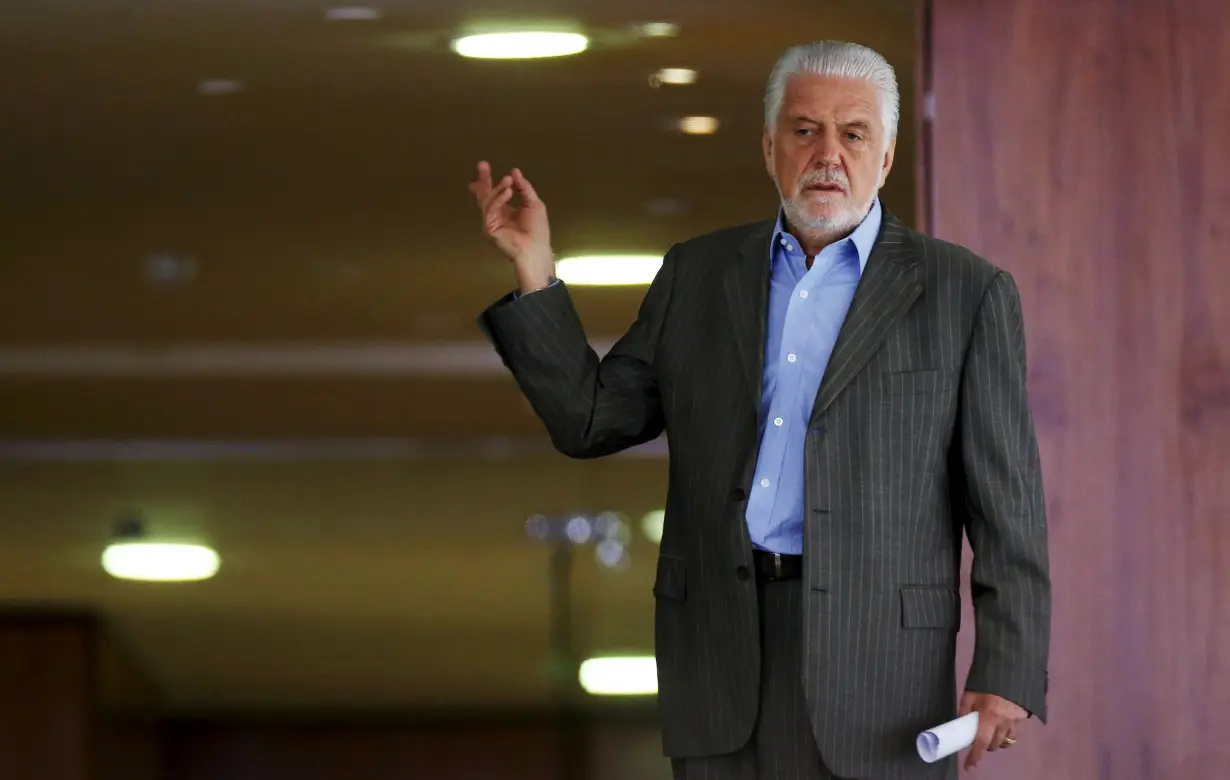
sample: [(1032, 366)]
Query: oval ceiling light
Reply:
[(608, 270), (660, 29), (675, 76), (620, 676), (352, 13), (215, 87), (698, 125), (160, 562), (526, 45)]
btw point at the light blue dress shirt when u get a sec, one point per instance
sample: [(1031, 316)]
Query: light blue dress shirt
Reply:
[(806, 311)]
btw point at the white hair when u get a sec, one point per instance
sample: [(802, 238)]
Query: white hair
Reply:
[(838, 59)]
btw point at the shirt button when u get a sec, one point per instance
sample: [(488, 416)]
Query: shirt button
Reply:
[(778, 421), (802, 293), (764, 483), (791, 357)]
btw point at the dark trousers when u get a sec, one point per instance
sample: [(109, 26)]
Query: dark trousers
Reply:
[(782, 746)]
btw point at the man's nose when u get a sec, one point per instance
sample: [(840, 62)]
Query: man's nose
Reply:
[(828, 149)]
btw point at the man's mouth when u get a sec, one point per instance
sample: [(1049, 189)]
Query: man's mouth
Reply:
[(824, 187)]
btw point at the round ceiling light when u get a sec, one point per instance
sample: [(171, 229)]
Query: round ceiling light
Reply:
[(159, 562), (652, 524), (520, 45)]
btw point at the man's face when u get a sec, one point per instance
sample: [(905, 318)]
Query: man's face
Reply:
[(829, 154)]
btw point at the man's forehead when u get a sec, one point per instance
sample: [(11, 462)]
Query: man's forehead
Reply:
[(844, 100)]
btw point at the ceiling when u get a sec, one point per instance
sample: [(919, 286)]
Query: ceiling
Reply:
[(250, 317)]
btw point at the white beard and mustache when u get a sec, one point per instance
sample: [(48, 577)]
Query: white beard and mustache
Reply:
[(844, 214)]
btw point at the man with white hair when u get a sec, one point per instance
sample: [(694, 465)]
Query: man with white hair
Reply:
[(844, 398)]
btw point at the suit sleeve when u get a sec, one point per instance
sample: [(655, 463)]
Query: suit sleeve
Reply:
[(1005, 516), (590, 407)]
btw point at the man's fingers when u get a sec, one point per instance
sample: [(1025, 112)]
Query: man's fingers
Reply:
[(492, 217), (528, 194), (997, 739), (481, 187), (505, 187), (986, 732)]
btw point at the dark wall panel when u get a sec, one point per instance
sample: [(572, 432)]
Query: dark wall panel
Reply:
[(44, 699), (1083, 147), (238, 751)]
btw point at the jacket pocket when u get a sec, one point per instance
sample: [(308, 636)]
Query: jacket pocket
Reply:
[(930, 606), (671, 580)]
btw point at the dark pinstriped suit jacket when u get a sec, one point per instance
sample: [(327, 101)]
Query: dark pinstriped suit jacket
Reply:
[(921, 430)]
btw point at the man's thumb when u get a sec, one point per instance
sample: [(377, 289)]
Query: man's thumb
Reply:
[(967, 705)]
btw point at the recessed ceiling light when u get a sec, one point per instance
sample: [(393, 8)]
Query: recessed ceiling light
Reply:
[(608, 270), (660, 29), (698, 125), (159, 562), (520, 45), (672, 76), (620, 676), (213, 87), (355, 13)]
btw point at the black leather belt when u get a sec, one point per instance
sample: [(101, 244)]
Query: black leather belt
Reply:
[(775, 566)]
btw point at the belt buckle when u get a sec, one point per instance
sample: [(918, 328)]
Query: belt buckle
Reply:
[(777, 565)]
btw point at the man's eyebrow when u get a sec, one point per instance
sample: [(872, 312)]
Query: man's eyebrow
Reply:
[(861, 124)]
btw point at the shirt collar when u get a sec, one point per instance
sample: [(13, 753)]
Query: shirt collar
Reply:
[(863, 238)]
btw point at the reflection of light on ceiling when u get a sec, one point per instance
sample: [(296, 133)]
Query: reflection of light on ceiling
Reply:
[(676, 76), (660, 29), (608, 270), (520, 45), (651, 525), (352, 14), (620, 676), (154, 562), (213, 87), (665, 207), (698, 125)]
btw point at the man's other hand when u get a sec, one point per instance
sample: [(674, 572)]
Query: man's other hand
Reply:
[(998, 721)]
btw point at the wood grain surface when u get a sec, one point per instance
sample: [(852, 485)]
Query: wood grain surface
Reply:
[(1082, 146)]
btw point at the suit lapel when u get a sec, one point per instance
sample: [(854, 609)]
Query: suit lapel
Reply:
[(888, 288), (747, 294)]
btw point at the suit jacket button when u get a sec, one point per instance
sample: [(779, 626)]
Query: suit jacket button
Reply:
[(742, 573), (738, 494)]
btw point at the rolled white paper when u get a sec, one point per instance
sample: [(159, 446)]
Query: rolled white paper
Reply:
[(946, 739)]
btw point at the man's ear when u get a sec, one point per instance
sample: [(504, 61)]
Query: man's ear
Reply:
[(766, 143), (888, 160)]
